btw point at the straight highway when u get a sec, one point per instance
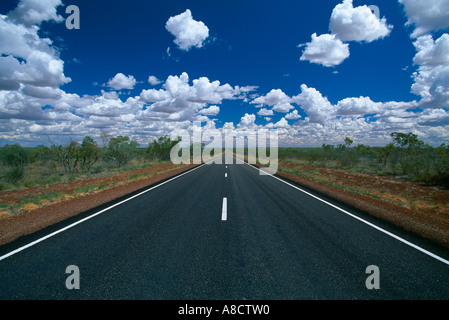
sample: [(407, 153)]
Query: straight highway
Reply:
[(223, 231)]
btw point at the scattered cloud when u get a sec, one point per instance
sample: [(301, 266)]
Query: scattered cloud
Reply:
[(277, 99), (179, 100), (265, 112), (247, 121), (346, 24), (188, 32), (431, 80), (432, 77), (317, 107), (282, 123), (25, 57), (426, 16), (432, 53), (210, 111), (120, 81), (154, 81), (434, 117), (33, 12), (357, 106), (357, 24), (294, 115), (326, 50), (153, 95)]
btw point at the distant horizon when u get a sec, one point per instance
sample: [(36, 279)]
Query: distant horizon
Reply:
[(145, 145)]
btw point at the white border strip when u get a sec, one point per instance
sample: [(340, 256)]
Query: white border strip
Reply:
[(93, 215), (362, 220)]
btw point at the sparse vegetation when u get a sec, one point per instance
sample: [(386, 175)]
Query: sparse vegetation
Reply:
[(42, 165), (406, 157), (16, 158), (116, 161), (160, 149)]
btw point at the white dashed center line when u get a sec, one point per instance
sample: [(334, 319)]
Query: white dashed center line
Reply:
[(224, 210)]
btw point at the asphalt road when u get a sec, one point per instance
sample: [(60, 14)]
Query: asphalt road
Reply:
[(272, 241)]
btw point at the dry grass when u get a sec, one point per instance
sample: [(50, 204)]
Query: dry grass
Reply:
[(4, 214), (28, 207)]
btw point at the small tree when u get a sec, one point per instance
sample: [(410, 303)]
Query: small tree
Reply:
[(68, 156), (89, 153), (160, 148), (346, 152), (403, 140), (121, 150), (348, 142), (16, 157), (328, 151), (442, 165)]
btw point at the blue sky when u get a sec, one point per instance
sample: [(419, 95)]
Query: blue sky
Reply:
[(255, 63)]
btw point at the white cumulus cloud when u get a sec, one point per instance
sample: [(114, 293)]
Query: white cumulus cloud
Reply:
[(432, 53), (210, 111), (26, 58), (432, 76), (153, 80), (265, 112), (426, 16), (33, 12), (182, 99), (357, 24), (317, 107), (282, 124), (326, 50), (346, 24), (152, 95), (187, 31), (247, 121), (294, 115), (277, 99), (120, 81), (357, 106)]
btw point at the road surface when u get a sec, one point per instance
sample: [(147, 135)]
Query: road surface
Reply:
[(223, 231)]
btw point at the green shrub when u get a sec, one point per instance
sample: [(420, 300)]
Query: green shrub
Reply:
[(97, 169), (14, 175)]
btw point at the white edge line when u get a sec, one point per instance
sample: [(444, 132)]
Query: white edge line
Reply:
[(92, 215), (224, 210), (362, 220)]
